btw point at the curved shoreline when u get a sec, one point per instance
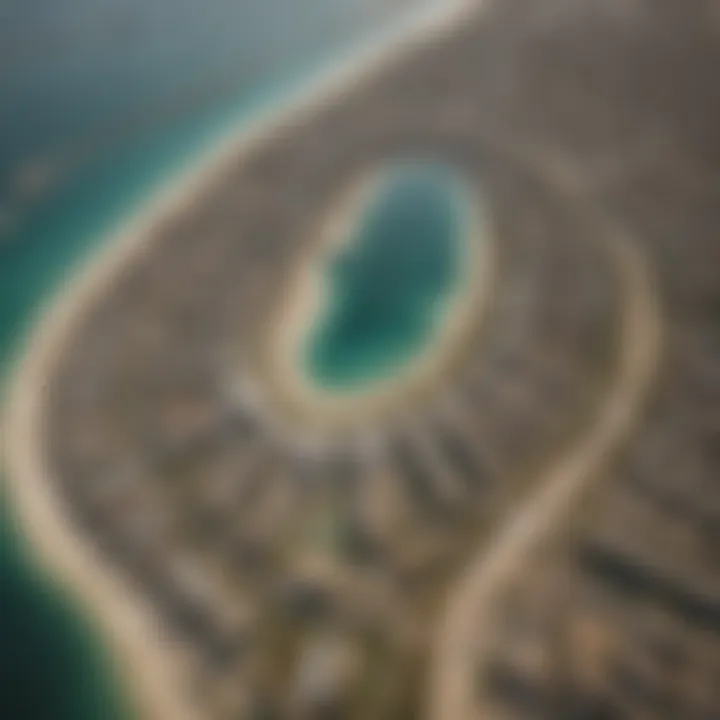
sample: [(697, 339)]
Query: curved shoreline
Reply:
[(128, 622), (465, 305)]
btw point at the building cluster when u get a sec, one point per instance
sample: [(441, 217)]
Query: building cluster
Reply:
[(305, 580)]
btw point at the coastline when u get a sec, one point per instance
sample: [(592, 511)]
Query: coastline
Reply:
[(328, 412), (148, 669)]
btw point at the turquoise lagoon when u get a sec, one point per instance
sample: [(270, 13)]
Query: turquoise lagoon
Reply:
[(388, 287)]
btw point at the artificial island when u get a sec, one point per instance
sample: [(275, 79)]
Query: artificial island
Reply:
[(520, 520)]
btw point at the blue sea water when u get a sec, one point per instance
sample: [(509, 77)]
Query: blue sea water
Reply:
[(100, 102), (389, 286)]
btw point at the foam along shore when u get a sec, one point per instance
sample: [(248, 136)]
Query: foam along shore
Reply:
[(146, 663), (325, 411)]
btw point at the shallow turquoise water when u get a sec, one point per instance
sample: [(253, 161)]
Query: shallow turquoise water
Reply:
[(109, 99), (387, 289)]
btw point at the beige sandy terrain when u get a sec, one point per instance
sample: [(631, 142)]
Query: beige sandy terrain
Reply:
[(145, 662), (326, 411)]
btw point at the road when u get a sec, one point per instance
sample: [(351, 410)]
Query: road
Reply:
[(461, 641)]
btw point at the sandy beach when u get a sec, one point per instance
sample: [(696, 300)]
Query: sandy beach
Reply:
[(326, 412), (150, 669)]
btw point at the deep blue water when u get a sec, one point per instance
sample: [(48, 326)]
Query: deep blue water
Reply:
[(100, 102), (387, 288)]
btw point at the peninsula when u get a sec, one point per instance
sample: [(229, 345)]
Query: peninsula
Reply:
[(520, 522)]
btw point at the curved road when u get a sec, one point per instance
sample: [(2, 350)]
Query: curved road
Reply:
[(460, 641)]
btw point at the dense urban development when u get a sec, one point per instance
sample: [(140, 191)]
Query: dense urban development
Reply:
[(531, 532)]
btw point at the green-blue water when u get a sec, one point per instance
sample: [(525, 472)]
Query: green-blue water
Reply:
[(100, 101), (50, 663), (389, 285)]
